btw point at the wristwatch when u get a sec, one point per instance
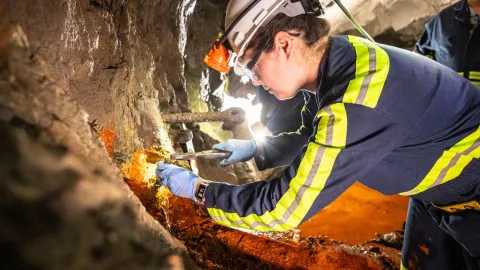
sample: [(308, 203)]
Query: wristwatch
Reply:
[(202, 188)]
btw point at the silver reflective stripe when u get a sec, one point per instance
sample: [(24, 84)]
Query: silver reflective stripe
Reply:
[(474, 146), (442, 174), (219, 218), (301, 191), (454, 161), (303, 188), (329, 137), (371, 70)]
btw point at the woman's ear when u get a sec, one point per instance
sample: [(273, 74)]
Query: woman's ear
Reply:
[(283, 42)]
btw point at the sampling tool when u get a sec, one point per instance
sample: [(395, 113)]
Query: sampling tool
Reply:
[(209, 154)]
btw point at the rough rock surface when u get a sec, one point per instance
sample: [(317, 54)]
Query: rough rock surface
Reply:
[(119, 59), (398, 23), (205, 23), (62, 202), (124, 61)]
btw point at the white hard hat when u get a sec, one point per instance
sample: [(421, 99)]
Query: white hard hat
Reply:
[(245, 17)]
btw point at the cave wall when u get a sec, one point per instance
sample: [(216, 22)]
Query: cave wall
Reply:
[(63, 204), (127, 62), (121, 60)]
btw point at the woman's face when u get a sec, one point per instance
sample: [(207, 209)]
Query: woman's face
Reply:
[(280, 70)]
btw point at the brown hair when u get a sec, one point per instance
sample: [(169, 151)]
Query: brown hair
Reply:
[(311, 29)]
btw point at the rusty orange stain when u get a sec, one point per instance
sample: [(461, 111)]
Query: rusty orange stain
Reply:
[(424, 249), (108, 137), (140, 174), (185, 222), (139, 169)]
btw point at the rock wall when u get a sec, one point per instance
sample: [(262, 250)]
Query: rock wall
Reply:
[(63, 204), (124, 62), (121, 60)]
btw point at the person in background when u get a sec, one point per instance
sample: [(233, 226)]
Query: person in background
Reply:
[(391, 119), (452, 38)]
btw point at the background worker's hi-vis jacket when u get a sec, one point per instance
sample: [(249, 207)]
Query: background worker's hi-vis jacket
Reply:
[(452, 38), (396, 121)]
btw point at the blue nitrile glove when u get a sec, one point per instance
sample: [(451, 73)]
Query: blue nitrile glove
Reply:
[(181, 182), (242, 150)]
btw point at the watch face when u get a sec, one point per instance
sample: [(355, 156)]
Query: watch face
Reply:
[(201, 191), (200, 194)]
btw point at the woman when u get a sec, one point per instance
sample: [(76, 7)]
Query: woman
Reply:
[(393, 120)]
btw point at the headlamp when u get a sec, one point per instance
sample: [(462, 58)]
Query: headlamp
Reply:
[(219, 57)]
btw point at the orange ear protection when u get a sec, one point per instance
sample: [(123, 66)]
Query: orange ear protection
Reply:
[(218, 57)]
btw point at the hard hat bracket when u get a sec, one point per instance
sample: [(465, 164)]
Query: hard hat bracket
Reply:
[(311, 7)]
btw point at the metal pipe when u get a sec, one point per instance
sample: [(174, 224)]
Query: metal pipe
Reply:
[(232, 115)]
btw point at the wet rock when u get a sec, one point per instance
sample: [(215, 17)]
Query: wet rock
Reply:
[(205, 23), (63, 203), (120, 59), (393, 239)]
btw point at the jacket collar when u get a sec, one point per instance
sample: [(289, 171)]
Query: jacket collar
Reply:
[(462, 11)]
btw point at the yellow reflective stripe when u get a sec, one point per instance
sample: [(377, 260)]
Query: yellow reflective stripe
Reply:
[(259, 223), (451, 164), (313, 172), (299, 130), (402, 267), (361, 71), (475, 75), (372, 67)]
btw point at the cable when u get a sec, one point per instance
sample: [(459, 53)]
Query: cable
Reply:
[(354, 22)]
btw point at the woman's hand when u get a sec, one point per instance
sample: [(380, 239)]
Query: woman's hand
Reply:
[(242, 150), (180, 181)]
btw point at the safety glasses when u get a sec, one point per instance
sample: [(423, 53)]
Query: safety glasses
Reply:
[(249, 67)]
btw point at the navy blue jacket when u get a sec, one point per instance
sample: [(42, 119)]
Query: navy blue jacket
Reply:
[(280, 115), (394, 120), (446, 39)]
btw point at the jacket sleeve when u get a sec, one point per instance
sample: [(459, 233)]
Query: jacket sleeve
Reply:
[(349, 139), (281, 150), (424, 44)]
